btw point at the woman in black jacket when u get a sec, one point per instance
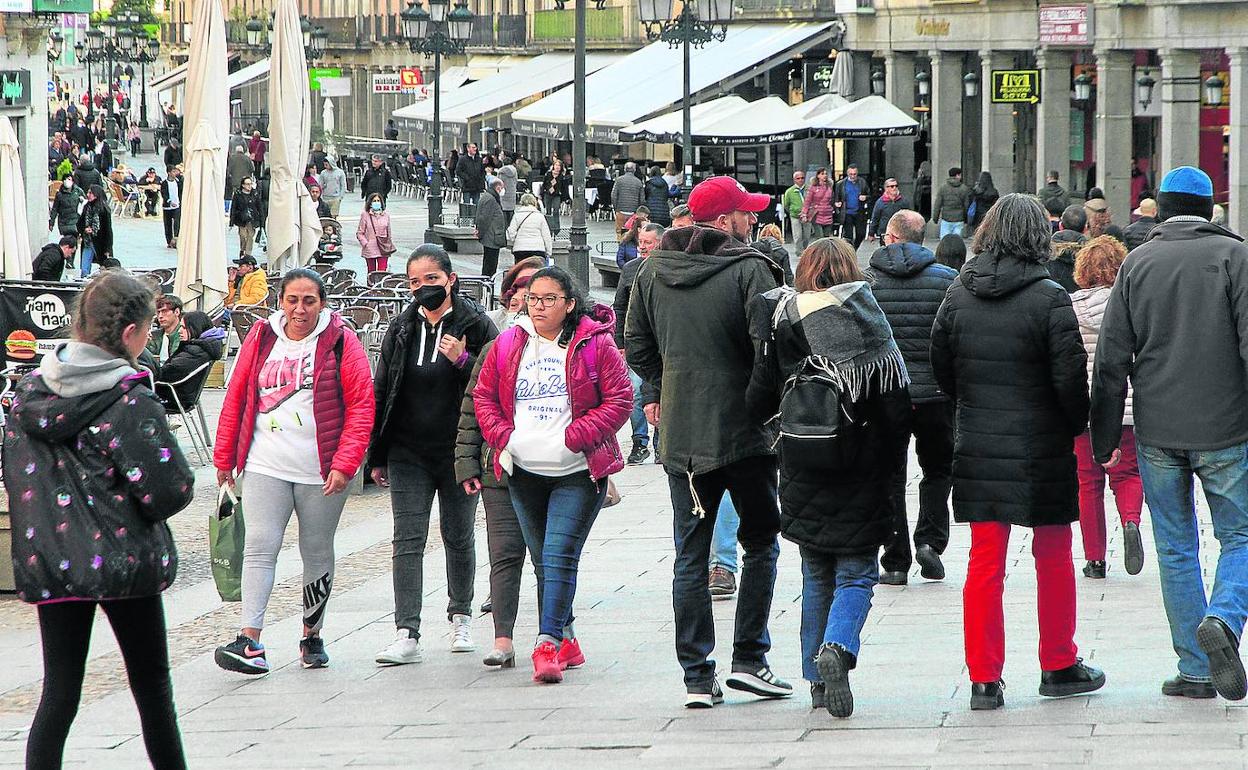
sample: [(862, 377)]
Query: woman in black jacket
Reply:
[(1006, 346), (92, 473), (658, 198), (829, 365), (983, 195), (204, 344), (95, 228), (555, 193)]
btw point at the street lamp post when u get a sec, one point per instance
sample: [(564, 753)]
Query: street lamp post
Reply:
[(692, 28), (437, 32), (145, 54), (578, 234)]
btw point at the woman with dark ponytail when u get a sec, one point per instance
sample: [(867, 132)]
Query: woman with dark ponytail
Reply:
[(552, 393)]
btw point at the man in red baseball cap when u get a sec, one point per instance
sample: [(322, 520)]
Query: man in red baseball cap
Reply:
[(686, 337)]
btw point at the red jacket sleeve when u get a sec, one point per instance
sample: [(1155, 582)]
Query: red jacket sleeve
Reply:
[(357, 394), (225, 453), (603, 421), (495, 427)]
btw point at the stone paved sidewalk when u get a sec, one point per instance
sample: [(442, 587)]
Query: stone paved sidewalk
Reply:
[(624, 707)]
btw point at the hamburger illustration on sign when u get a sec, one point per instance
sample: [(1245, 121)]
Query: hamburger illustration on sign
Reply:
[(20, 345)]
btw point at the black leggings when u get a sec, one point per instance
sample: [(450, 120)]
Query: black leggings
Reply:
[(139, 625)]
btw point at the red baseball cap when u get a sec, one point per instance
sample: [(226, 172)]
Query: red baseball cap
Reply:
[(723, 195)]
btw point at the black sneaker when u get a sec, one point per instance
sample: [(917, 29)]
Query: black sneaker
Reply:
[(759, 681), (987, 696), (1133, 546), (639, 454), (312, 652), (834, 663), (243, 656), (930, 565), (697, 699), (1225, 666), (1072, 680), (818, 697), (1094, 570), (1181, 687), (893, 578)]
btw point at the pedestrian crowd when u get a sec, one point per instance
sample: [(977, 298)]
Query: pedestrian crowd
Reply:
[(1030, 366)]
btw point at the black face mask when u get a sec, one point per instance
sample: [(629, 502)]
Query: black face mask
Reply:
[(430, 297)]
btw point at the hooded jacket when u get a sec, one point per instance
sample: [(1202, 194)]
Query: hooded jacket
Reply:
[(65, 209), (341, 388), (910, 285), (1089, 307), (92, 472), (1006, 347), (87, 175), (658, 200), (97, 214), (778, 254), (490, 221), (599, 392), (397, 411), (1061, 265), (189, 356), (48, 264), (686, 335), (1189, 369), (951, 202)]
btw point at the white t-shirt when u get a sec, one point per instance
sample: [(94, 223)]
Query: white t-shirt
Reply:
[(543, 409), (284, 443)]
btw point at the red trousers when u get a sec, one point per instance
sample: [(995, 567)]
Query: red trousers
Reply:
[(1124, 480), (373, 264), (983, 619)]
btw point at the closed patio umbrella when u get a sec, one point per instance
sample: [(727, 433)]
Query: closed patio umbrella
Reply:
[(293, 228), (201, 278), (843, 75), (14, 234)]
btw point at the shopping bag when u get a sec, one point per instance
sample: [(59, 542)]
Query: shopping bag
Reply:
[(225, 545)]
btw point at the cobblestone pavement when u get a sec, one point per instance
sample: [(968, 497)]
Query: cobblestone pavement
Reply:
[(623, 709)]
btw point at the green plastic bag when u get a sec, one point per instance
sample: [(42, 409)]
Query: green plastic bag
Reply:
[(226, 536)]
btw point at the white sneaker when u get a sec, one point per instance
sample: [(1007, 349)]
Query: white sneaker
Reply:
[(403, 649), (461, 634)]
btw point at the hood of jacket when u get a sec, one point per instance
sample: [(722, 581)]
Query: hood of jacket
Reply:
[(689, 256), (600, 319), (277, 322), (992, 275), (86, 166), (1186, 229), (213, 341), (902, 259), (953, 182), (1066, 243), (77, 384)]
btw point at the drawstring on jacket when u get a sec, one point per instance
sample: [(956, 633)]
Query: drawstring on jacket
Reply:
[(697, 501)]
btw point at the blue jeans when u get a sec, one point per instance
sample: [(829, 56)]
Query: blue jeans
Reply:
[(752, 483), (836, 597), (641, 428), (1168, 487), (88, 257), (724, 539), (556, 513), (951, 227)]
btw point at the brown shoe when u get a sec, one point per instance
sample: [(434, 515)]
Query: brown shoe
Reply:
[(722, 582)]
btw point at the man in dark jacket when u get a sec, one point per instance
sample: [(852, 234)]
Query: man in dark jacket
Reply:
[(1137, 232), (909, 285), (627, 194), (171, 208), (849, 195), (87, 175), (173, 153), (686, 336), (491, 225), (49, 264), (377, 180), (648, 238), (885, 207), (1176, 326), (1053, 196), (471, 174), (949, 205), (1065, 243)]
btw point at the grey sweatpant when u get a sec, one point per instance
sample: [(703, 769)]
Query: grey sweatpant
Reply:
[(267, 505)]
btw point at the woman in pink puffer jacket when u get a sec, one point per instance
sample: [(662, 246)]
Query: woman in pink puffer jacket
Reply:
[(552, 393)]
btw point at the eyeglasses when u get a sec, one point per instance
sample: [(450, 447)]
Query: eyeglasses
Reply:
[(890, 185), (547, 301)]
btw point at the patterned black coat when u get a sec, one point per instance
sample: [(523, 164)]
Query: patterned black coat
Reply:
[(1006, 347)]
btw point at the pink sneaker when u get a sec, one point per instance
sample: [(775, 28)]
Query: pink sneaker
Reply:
[(546, 666), (570, 655)]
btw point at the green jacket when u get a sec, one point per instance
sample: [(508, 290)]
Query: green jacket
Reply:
[(158, 334), (793, 199), (687, 337)]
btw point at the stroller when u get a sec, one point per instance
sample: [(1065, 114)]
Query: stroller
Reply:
[(329, 249)]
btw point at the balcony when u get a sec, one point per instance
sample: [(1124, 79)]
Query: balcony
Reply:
[(789, 9), (556, 29), (494, 32), (344, 32)]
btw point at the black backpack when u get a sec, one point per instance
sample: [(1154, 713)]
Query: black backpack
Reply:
[(818, 423)]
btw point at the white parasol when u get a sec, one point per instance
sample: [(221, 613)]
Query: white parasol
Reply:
[(14, 233)]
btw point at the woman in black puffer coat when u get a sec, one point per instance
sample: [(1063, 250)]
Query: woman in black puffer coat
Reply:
[(1006, 347), (833, 338), (658, 198), (204, 344)]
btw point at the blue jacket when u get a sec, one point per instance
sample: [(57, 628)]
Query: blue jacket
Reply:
[(910, 285)]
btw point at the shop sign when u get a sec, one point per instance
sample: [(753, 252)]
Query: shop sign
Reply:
[(1016, 86), (818, 78), (335, 86), (386, 83), (410, 80), (316, 73), (1065, 24), (925, 27), (14, 88), (63, 6), (15, 6)]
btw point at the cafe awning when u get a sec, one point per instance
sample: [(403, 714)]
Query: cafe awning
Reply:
[(647, 82), (668, 128), (177, 76), (872, 117)]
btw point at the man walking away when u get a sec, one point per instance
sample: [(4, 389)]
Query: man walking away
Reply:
[(711, 445), (1066, 242), (627, 194), (491, 226), (1053, 197), (792, 201), (909, 285), (1137, 232), (1199, 355), (507, 172), (949, 206), (850, 195)]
